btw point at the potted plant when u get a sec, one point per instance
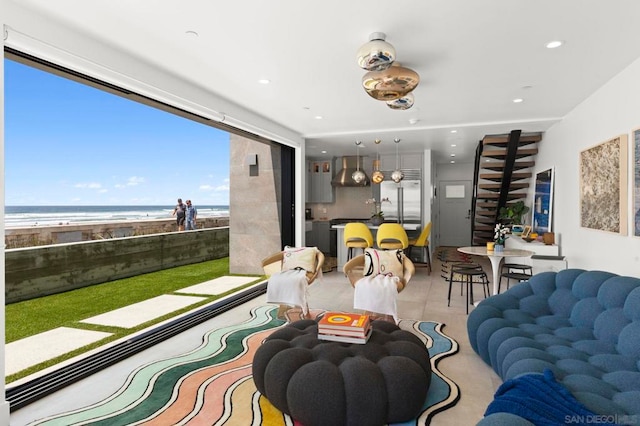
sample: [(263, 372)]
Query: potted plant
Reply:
[(377, 215), (513, 213)]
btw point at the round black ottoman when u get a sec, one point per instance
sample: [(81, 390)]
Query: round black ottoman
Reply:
[(318, 382)]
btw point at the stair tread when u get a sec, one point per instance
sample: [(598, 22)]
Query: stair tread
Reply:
[(498, 176), (498, 186), (494, 196), (502, 153), (487, 204), (504, 139), (499, 165)]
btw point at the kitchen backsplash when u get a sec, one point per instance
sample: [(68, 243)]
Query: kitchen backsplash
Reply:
[(350, 202)]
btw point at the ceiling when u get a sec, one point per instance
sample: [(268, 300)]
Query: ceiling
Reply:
[(474, 58)]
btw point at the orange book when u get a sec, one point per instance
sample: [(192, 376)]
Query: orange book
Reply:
[(343, 321)]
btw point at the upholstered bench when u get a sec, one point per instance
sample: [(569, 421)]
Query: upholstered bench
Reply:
[(318, 382)]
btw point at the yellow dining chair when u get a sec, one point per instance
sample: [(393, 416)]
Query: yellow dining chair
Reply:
[(392, 236), (357, 236), (423, 242)]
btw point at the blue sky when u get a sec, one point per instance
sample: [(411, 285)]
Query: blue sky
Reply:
[(70, 144)]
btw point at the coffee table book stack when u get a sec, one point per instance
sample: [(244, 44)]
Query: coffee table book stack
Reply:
[(344, 327)]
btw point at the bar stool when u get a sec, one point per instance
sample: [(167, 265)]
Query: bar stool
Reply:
[(467, 272), (392, 236), (423, 242), (357, 236), (510, 274)]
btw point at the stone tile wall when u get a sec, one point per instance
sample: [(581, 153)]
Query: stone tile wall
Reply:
[(254, 204)]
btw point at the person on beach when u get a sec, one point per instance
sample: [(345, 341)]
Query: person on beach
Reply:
[(192, 212), (180, 213)]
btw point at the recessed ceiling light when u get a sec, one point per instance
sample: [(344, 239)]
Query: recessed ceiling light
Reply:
[(452, 155), (318, 117), (553, 44), (517, 100), (323, 151), (413, 120), (453, 162), (264, 81), (454, 131), (453, 145)]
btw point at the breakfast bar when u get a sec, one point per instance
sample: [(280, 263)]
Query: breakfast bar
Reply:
[(342, 249)]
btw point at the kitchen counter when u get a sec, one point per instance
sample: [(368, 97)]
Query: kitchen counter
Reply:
[(342, 249)]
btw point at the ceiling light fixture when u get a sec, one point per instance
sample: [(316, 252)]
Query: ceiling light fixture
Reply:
[(397, 174), (390, 84), (553, 44), (377, 176), (518, 100), (386, 80), (377, 54), (454, 131), (402, 103), (264, 81), (358, 176)]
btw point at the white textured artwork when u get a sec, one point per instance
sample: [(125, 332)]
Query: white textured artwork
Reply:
[(603, 186)]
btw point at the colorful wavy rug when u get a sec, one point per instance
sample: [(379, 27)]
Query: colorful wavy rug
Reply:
[(212, 384)]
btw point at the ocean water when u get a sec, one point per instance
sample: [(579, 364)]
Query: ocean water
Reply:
[(19, 216)]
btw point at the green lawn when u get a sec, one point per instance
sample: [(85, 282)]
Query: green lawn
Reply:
[(24, 319)]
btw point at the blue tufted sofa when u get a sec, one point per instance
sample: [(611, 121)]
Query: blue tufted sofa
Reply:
[(582, 325)]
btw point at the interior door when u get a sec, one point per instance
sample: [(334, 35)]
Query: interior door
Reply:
[(455, 212)]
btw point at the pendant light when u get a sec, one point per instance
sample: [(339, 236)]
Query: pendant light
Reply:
[(390, 84), (377, 176), (402, 103), (358, 176), (397, 174), (377, 54)]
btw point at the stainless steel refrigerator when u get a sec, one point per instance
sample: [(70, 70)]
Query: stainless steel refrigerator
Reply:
[(405, 204)]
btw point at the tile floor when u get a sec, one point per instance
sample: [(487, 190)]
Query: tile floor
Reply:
[(425, 298)]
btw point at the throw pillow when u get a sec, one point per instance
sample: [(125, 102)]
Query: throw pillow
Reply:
[(386, 262), (299, 257)]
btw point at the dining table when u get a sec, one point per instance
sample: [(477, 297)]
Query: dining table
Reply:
[(496, 257)]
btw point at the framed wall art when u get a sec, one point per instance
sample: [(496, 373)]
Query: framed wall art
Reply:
[(603, 186), (543, 202), (636, 182)]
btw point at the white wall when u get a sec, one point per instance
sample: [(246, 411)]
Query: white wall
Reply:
[(612, 110)]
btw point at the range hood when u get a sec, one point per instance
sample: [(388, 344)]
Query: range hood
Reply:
[(349, 165)]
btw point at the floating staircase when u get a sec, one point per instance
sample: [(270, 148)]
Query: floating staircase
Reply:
[(503, 172)]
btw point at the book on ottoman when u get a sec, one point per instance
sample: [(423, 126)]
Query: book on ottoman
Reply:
[(346, 339), (348, 325)]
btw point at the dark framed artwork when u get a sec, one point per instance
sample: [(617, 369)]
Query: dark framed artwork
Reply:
[(543, 202), (603, 186), (636, 182)]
